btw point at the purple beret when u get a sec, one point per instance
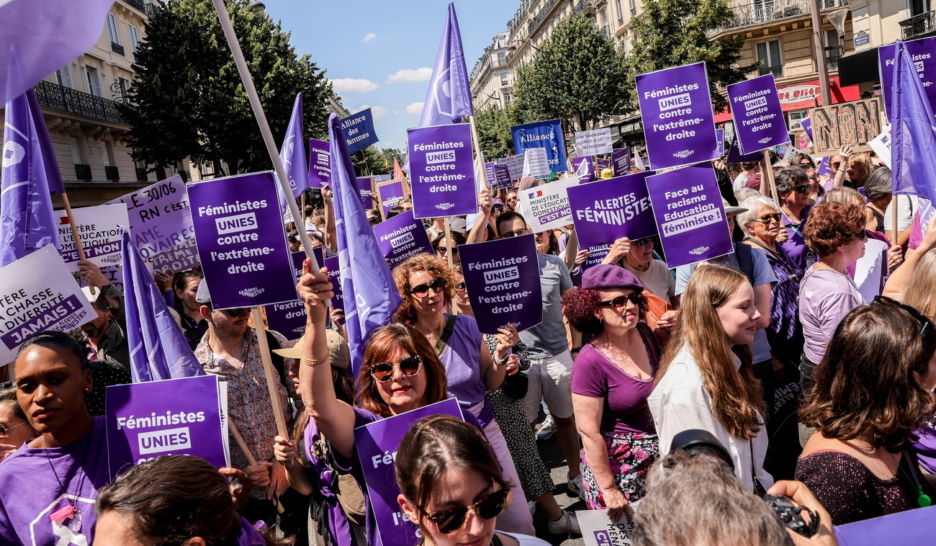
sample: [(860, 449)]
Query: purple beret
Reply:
[(606, 276)]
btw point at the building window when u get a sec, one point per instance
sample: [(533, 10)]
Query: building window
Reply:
[(794, 119), (507, 99), (63, 77), (503, 78), (134, 38), (94, 82), (620, 13), (833, 55), (123, 85), (919, 7), (768, 53), (76, 150), (112, 28), (633, 7)]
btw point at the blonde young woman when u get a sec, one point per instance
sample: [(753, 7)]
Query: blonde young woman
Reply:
[(706, 379)]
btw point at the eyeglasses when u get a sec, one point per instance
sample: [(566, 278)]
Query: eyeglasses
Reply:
[(621, 301), (928, 327), (488, 507), (766, 219), (234, 313), (461, 287), (801, 189), (836, 165), (516, 233), (437, 286), (5, 431), (443, 250), (409, 366), (644, 242)]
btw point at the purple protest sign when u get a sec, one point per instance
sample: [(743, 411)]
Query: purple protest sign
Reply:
[(603, 164), (334, 275), (689, 215), (587, 166), (178, 258), (365, 187), (720, 134), (607, 210), (514, 165), (923, 54), (758, 117), (596, 255), (442, 171), (288, 318), (676, 109), (907, 527), (806, 124), (159, 215), (319, 165), (390, 194), (502, 175), (824, 168), (241, 241), (620, 161), (503, 283), (401, 237), (489, 173), (174, 417), (735, 155), (376, 445)]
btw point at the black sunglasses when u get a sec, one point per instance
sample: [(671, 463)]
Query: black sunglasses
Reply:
[(460, 287), (234, 313), (437, 286), (801, 189), (443, 250), (644, 242), (766, 219), (487, 507), (928, 328), (621, 301), (383, 371), (863, 235), (836, 165)]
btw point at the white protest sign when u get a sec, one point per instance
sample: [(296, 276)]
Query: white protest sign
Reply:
[(514, 166), (97, 227), (881, 145), (160, 217), (869, 269), (38, 293), (598, 530), (593, 142), (547, 207), (535, 163), (788, 152)]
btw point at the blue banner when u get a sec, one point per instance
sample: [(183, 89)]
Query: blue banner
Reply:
[(542, 134), (359, 131)]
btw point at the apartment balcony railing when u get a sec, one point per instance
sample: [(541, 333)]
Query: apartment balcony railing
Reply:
[(777, 71), (583, 6), (117, 48), (152, 10), (538, 19), (757, 13), (82, 172), (111, 173), (918, 25), (606, 30), (138, 4), (58, 97)]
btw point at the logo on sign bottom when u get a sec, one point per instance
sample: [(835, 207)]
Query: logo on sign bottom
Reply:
[(700, 250), (684, 154), (251, 292), (445, 206)]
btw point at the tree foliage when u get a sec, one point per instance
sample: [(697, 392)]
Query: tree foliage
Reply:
[(672, 33), (577, 75), (189, 101), (493, 125)]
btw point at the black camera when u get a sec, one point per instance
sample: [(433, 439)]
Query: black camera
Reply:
[(790, 515)]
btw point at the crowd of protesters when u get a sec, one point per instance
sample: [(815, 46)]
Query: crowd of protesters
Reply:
[(793, 331)]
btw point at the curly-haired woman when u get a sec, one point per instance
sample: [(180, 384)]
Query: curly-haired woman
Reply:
[(611, 380), (836, 231)]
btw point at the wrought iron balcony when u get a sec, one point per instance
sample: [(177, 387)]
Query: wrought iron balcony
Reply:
[(606, 30), (152, 10), (583, 6), (82, 172), (766, 11), (58, 97), (777, 71), (918, 26), (117, 48), (541, 15), (111, 173), (138, 4)]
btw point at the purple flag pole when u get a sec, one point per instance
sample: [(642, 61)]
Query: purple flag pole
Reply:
[(369, 292), (913, 167), (158, 349), (259, 114)]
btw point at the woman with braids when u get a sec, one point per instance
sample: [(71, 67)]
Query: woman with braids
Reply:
[(174, 499), (185, 286), (706, 380)]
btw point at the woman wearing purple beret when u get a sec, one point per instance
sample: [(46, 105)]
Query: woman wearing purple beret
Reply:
[(611, 380)]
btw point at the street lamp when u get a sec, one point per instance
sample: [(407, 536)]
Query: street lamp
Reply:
[(256, 6)]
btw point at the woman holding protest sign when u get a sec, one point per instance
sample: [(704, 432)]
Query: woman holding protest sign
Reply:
[(793, 190), (400, 372), (706, 379), (611, 380), (452, 486)]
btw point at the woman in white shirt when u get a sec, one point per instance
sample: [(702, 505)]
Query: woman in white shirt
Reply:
[(706, 380)]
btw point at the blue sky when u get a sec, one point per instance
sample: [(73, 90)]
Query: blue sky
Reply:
[(381, 52)]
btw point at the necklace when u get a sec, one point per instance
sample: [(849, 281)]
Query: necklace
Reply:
[(923, 500), (71, 512)]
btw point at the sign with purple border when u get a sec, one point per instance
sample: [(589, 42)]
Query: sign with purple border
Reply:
[(676, 109), (442, 171), (401, 237), (923, 54), (758, 116), (241, 241), (319, 163), (38, 293), (390, 194), (689, 215), (97, 227), (607, 210), (503, 283), (587, 174), (620, 161), (173, 417), (159, 216), (377, 445)]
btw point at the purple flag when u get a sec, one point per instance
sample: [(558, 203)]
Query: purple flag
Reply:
[(584, 168), (158, 350), (401, 237), (390, 193), (319, 163), (758, 116), (365, 277), (689, 214), (449, 97), (293, 154), (620, 161), (30, 175), (41, 38), (607, 210), (676, 109), (503, 283), (442, 171), (913, 167)]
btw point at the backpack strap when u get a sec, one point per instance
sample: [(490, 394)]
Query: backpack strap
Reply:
[(446, 334), (278, 362)]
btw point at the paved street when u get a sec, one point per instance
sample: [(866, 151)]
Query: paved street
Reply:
[(552, 456)]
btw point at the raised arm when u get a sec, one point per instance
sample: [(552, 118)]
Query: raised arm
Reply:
[(896, 286), (330, 235), (477, 233)]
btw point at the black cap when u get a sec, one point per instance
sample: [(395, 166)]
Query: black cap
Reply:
[(693, 439)]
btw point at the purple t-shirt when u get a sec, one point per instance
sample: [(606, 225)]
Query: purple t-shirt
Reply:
[(795, 245), (30, 492), (826, 296), (625, 397), (462, 361)]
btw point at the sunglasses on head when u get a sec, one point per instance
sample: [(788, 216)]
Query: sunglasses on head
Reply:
[(460, 287), (928, 329), (437, 286), (766, 219), (801, 189), (409, 366), (489, 506), (621, 301), (443, 250)]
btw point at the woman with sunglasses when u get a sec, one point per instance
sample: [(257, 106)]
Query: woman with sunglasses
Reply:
[(706, 379), (659, 285), (793, 191), (611, 380), (452, 486), (15, 429), (427, 286), (836, 231), (873, 389), (444, 245)]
